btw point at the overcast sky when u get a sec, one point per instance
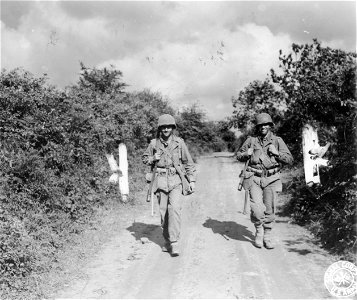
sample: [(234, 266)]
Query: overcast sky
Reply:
[(199, 51)]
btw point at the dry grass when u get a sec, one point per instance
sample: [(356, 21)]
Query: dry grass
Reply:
[(75, 255)]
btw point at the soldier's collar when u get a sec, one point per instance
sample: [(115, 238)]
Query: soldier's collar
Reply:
[(268, 137), (166, 143)]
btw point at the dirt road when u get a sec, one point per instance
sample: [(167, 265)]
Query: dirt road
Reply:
[(217, 257)]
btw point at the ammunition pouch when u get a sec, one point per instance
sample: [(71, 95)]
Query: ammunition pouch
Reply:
[(263, 173), (166, 171), (266, 161), (247, 180), (160, 172)]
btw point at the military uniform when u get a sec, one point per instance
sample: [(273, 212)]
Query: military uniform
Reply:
[(168, 184), (262, 179)]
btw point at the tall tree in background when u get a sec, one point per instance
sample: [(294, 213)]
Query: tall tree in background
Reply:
[(101, 80), (203, 135), (320, 84), (257, 97), (115, 114)]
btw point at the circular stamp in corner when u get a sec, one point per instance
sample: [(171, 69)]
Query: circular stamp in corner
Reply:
[(341, 279)]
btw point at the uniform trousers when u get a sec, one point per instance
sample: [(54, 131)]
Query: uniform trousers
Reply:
[(170, 204), (262, 201)]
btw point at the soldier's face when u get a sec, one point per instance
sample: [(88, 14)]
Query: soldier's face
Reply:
[(166, 131), (264, 129)]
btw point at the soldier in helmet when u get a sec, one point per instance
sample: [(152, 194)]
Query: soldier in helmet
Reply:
[(173, 162), (266, 153)]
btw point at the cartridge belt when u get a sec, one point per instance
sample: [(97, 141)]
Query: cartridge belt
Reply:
[(263, 173), (169, 171)]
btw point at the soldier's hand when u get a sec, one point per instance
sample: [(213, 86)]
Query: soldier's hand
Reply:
[(192, 186), (273, 150), (250, 151)]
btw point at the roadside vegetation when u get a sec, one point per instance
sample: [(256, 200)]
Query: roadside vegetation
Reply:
[(54, 174), (315, 85)]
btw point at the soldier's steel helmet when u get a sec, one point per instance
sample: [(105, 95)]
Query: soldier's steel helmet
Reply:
[(166, 119), (263, 118)]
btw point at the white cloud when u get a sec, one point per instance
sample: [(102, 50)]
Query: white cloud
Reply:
[(15, 51), (209, 70), (189, 51)]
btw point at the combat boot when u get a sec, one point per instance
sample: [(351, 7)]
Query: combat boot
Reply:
[(259, 234), (166, 247), (175, 249), (268, 242)]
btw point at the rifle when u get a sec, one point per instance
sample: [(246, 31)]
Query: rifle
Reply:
[(241, 175), (150, 191), (240, 185), (150, 194)]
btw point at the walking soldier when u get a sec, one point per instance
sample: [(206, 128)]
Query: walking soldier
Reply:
[(175, 172), (266, 153)]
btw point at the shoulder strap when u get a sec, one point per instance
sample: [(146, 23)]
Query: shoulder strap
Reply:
[(180, 141)]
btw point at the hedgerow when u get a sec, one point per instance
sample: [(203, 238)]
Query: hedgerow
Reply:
[(52, 177)]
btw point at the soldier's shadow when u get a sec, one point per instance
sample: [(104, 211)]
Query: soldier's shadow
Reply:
[(150, 231), (230, 230)]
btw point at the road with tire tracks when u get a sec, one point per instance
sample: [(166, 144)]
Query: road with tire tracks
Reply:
[(217, 260)]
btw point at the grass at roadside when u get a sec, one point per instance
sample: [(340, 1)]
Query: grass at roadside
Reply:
[(74, 256)]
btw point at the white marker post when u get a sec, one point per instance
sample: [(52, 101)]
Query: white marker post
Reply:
[(123, 166), (120, 173), (312, 153)]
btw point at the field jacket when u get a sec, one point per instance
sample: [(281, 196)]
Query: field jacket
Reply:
[(175, 149), (261, 160)]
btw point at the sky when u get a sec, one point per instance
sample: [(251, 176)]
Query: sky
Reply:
[(201, 52)]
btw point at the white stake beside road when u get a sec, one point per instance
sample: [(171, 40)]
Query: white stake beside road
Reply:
[(312, 152), (123, 166), (120, 172)]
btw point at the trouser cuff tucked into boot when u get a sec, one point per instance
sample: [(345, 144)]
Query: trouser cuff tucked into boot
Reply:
[(259, 234), (166, 247), (175, 249), (268, 241)]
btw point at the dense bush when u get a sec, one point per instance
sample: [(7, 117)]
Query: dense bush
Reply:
[(52, 175), (329, 210)]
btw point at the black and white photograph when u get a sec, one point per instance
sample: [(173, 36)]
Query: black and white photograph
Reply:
[(178, 149)]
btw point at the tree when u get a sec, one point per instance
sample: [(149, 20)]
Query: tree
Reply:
[(320, 84), (257, 97), (201, 134), (101, 80)]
